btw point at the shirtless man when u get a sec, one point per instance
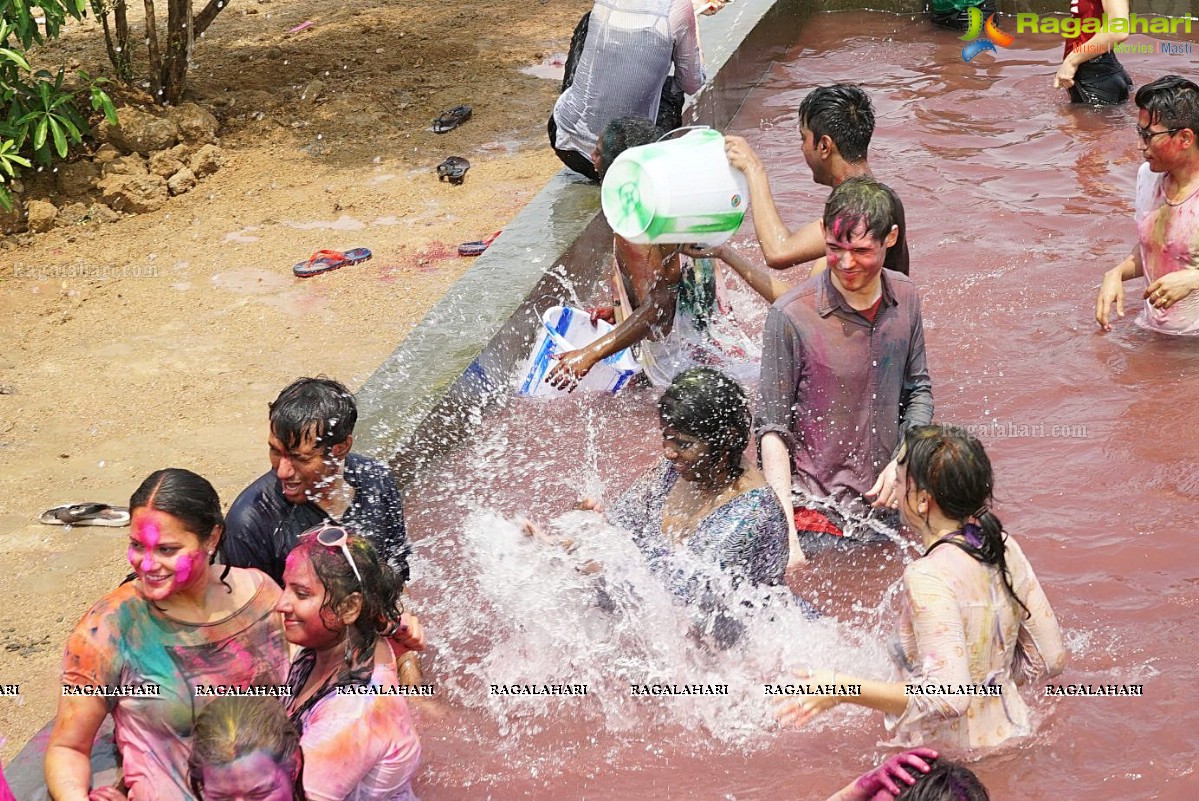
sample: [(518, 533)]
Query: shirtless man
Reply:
[(836, 124), (651, 273)]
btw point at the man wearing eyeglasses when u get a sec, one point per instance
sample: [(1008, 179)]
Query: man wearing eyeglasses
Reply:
[(1166, 213)]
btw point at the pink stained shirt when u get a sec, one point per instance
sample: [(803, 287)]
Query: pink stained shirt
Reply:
[(124, 640), (1169, 237), (361, 747), (5, 790)]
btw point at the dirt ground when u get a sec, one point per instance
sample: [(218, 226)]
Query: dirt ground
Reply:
[(158, 340)]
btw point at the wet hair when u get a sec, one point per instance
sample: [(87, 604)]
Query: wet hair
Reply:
[(380, 587), (946, 781), (189, 498), (860, 201), (319, 409), (708, 404), (1172, 101), (621, 134), (231, 728), (843, 113), (950, 464)]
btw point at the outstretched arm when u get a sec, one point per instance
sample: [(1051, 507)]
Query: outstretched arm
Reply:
[(657, 310), (781, 247), (763, 281)]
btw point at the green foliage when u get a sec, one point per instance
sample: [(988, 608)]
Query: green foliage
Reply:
[(40, 118)]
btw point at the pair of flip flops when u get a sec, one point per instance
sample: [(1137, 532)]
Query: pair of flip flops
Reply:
[(86, 514), (478, 246), (453, 169), (449, 120), (325, 260)]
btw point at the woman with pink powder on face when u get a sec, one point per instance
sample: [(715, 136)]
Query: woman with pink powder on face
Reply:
[(161, 641), (338, 602)]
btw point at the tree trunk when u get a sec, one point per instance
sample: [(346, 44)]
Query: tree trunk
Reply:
[(174, 71), (155, 55), (108, 45), (208, 14), (124, 63), (182, 29)]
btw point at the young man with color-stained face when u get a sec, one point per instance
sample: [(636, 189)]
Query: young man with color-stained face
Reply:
[(1166, 213), (836, 124), (843, 374), (314, 479)]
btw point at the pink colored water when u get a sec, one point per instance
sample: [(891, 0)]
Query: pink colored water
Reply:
[(1016, 202)]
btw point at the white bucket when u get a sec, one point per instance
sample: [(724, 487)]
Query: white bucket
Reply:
[(565, 329), (680, 191)]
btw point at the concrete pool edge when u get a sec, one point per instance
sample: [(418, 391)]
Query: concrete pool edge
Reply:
[(421, 400)]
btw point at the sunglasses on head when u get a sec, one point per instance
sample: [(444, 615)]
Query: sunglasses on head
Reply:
[(337, 537)]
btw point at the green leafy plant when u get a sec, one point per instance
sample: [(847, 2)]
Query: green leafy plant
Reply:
[(40, 116)]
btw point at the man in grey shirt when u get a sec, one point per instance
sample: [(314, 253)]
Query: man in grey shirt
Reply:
[(843, 370), (627, 56)]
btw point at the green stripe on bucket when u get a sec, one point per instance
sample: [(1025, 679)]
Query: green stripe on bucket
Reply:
[(707, 224)]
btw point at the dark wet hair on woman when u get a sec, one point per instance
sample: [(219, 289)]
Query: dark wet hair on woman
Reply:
[(859, 202), (947, 781), (380, 587), (710, 405), (231, 728), (950, 464), (843, 113), (1172, 101), (188, 497), (319, 409)]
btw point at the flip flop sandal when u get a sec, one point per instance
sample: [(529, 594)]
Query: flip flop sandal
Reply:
[(325, 260), (86, 514), (449, 120), (478, 246), (453, 169)]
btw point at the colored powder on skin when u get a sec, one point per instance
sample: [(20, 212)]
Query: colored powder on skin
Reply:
[(185, 566), (837, 227), (150, 537)]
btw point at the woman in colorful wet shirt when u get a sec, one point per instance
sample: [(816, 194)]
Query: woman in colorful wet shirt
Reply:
[(973, 614), (151, 651), (340, 604), (246, 748), (704, 496), (704, 517)]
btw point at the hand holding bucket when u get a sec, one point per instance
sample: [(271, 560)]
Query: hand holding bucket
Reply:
[(678, 191)]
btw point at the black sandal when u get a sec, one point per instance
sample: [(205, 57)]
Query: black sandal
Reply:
[(449, 120), (453, 169)]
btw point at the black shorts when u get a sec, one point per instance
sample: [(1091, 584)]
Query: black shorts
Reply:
[(1101, 81), (571, 158)]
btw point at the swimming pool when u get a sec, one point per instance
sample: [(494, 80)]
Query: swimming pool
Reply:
[(1016, 203)]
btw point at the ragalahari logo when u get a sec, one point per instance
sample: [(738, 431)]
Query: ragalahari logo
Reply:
[(991, 35)]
